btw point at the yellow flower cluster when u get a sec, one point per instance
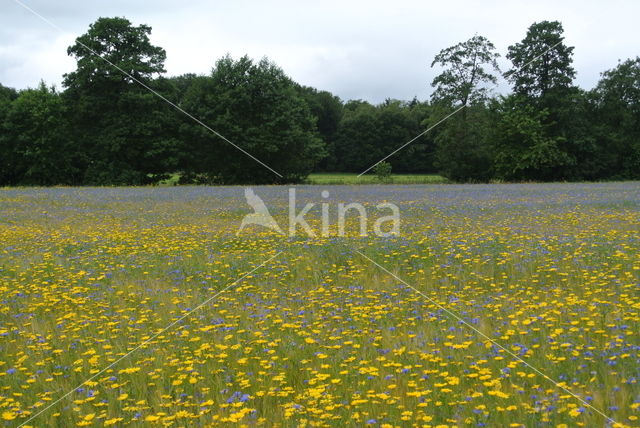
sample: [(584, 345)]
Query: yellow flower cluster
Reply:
[(320, 336)]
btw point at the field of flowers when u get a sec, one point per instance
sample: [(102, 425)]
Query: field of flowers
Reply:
[(497, 306)]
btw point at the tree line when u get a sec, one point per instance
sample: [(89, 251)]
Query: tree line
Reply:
[(120, 121)]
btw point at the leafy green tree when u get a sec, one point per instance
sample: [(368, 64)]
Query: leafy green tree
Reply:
[(467, 68), (33, 142), (417, 157), (7, 146), (357, 144), (397, 123), (180, 86), (522, 145), (368, 133), (7, 94), (616, 110), (382, 170), (542, 76), (119, 42), (117, 121), (541, 61), (327, 109), (256, 107), (463, 151), (468, 73)]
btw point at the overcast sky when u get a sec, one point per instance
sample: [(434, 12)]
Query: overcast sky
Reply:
[(355, 49)]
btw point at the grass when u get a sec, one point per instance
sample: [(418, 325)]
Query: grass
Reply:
[(320, 336), (340, 178)]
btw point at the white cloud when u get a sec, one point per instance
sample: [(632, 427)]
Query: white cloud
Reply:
[(359, 49)]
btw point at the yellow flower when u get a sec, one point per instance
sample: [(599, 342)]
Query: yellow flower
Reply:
[(8, 416)]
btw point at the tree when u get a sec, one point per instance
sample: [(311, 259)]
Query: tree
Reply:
[(382, 171), (461, 152), (368, 133), (327, 109), (616, 109), (522, 145), (357, 145), (180, 85), (114, 41), (397, 123), (542, 76), (256, 107), (417, 157), (33, 142), (541, 61), (117, 122), (7, 147), (7, 94), (465, 71)]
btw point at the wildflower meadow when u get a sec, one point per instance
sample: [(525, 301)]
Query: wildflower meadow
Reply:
[(494, 305)]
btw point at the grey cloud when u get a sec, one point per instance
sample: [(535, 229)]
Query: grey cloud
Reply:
[(369, 50)]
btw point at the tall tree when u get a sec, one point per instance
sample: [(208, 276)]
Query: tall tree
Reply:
[(467, 68), (466, 79), (542, 76), (117, 121), (258, 108), (541, 61)]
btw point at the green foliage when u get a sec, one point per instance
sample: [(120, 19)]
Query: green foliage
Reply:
[(33, 140), (465, 71), (541, 61), (368, 133), (523, 148), (327, 110), (256, 107), (548, 112), (7, 95), (616, 108), (461, 151), (114, 41), (462, 147), (382, 170), (118, 124)]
